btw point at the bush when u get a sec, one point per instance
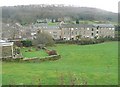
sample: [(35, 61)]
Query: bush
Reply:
[(26, 43), (90, 41), (18, 43), (107, 38), (84, 41), (51, 52), (66, 41), (43, 38)]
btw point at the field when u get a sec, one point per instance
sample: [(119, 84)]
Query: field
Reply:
[(33, 53), (79, 64)]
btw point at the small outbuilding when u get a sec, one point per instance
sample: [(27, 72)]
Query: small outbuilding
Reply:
[(6, 49)]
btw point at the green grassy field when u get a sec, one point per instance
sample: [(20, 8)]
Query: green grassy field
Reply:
[(0, 73), (79, 64), (33, 53)]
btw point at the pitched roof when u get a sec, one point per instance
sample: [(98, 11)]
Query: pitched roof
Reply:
[(104, 25), (51, 27), (5, 43), (2, 41), (75, 25), (46, 26)]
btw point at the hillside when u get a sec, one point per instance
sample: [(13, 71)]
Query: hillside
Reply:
[(26, 14)]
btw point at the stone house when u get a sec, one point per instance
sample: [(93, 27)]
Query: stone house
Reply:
[(53, 30), (71, 31), (103, 30)]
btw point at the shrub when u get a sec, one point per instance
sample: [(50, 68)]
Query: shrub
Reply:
[(18, 43), (26, 43), (66, 41), (83, 41), (44, 38), (51, 52)]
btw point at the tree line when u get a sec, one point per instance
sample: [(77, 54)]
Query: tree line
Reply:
[(29, 14)]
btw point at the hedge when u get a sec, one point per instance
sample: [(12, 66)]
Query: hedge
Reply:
[(26, 43)]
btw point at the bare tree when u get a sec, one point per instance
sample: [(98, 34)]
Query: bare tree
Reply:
[(43, 38)]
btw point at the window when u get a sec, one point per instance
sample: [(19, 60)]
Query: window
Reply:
[(92, 29), (112, 28), (87, 36), (97, 31), (97, 27), (72, 38), (96, 34), (64, 38), (72, 28), (92, 34)]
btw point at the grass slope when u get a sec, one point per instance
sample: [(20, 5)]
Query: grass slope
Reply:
[(33, 53), (93, 64)]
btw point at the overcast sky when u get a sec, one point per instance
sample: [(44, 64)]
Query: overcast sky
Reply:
[(109, 5)]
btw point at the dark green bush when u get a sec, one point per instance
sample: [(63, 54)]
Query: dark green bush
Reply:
[(26, 43), (87, 41)]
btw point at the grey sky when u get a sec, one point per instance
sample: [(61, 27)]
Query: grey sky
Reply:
[(109, 5)]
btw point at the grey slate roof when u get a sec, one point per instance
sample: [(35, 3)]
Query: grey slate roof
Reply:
[(76, 25), (104, 25), (46, 26), (51, 27)]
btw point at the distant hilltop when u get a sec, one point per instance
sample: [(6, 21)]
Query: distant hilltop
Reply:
[(43, 5), (30, 13)]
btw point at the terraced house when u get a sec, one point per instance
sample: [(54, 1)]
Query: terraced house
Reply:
[(72, 31), (60, 31), (87, 31)]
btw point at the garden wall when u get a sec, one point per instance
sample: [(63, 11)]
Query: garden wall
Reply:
[(6, 52), (47, 58)]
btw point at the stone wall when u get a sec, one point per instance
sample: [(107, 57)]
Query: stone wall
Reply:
[(35, 60), (6, 52), (48, 58)]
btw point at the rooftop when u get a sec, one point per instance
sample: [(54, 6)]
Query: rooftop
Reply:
[(75, 25), (5, 43), (103, 25)]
